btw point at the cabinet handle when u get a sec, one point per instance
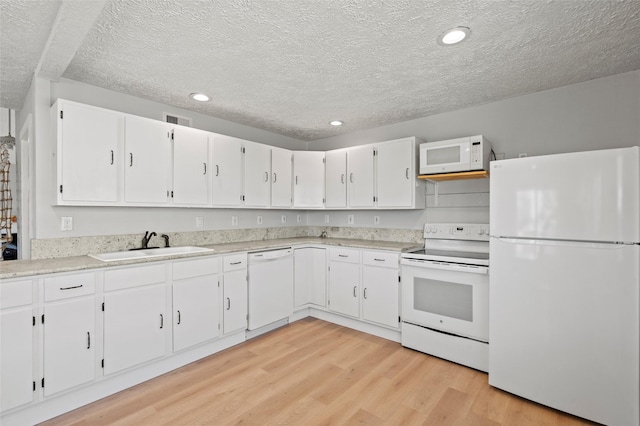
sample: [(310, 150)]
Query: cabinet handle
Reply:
[(217, 170), (179, 317), (406, 173), (275, 177), (205, 168), (71, 288), (235, 263), (161, 321), (112, 157), (355, 287), (343, 255), (88, 340), (378, 260), (351, 177), (342, 178), (228, 303), (296, 180), (131, 159), (365, 293), (266, 176)]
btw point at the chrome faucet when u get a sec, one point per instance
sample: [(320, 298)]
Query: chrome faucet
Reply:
[(146, 238), (323, 234), (166, 239)]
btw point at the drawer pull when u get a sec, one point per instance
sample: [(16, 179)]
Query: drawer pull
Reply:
[(161, 321), (354, 291), (228, 303), (378, 260), (71, 288), (343, 255), (235, 263), (179, 318), (365, 293), (88, 340)]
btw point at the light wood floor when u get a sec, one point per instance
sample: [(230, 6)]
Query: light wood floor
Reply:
[(317, 373)]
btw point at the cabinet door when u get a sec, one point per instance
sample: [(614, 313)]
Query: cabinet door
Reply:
[(69, 344), (134, 326), (195, 311), (281, 172), (191, 174), (147, 171), (16, 357), (310, 276), (257, 175), (344, 288), (235, 301), (361, 180), (380, 295), (88, 152), (308, 179), (336, 179), (227, 171), (395, 173)]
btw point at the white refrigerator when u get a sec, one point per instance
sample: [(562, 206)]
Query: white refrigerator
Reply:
[(564, 318)]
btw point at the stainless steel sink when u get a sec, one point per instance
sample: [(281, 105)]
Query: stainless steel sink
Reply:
[(147, 253)]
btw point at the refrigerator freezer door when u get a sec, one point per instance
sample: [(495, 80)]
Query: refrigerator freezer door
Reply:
[(585, 196), (564, 326)]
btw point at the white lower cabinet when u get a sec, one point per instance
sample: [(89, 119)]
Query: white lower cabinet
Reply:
[(69, 328), (344, 281), (234, 301), (380, 288), (195, 302), (310, 276), (17, 325), (135, 317)]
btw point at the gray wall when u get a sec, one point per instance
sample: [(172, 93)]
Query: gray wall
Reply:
[(602, 113)]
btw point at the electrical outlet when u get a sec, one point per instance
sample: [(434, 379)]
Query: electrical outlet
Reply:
[(66, 223), (199, 222), (299, 218), (376, 220), (283, 218), (259, 220), (234, 220), (326, 218), (350, 219)]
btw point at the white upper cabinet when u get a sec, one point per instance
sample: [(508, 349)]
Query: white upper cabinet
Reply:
[(89, 146), (360, 161), (336, 179), (227, 171), (308, 179), (257, 174), (191, 170), (396, 176), (147, 175), (281, 172)]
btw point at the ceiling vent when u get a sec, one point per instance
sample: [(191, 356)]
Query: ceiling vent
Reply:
[(176, 119)]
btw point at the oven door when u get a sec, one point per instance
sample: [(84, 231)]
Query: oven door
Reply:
[(451, 156), (447, 297)]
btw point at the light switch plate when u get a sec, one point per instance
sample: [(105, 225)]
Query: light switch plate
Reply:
[(299, 218), (259, 220), (376, 220), (350, 219), (234, 220), (66, 223), (199, 222), (326, 218), (283, 218)]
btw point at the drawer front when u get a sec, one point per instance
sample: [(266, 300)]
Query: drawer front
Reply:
[(195, 268), (344, 255), (67, 286), (16, 293), (235, 262), (380, 258), (118, 279)]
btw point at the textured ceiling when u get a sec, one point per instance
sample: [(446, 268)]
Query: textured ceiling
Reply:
[(291, 66)]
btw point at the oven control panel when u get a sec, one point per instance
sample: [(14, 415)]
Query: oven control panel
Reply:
[(457, 231)]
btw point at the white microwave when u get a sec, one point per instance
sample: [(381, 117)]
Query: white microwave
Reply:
[(455, 155)]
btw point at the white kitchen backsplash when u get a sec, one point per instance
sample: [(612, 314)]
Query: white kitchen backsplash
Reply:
[(51, 248)]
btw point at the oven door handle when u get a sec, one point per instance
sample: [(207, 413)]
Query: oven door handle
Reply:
[(430, 264)]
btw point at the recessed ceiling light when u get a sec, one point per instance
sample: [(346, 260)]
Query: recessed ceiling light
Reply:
[(200, 97), (453, 36), (336, 123)]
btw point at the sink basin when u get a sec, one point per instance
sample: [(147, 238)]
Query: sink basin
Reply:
[(147, 253)]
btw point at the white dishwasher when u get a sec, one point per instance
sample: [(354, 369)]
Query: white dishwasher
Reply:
[(270, 286)]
